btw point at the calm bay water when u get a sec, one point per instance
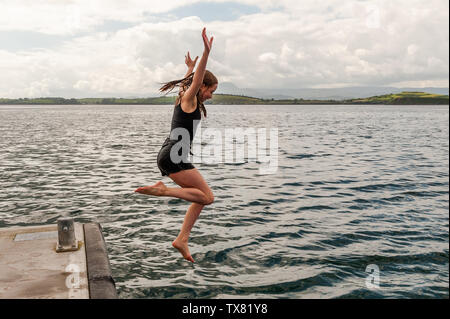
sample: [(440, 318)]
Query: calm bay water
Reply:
[(355, 186)]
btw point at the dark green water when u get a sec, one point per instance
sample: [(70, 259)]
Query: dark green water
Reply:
[(355, 186)]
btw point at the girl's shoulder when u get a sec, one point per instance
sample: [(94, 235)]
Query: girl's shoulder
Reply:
[(185, 106)]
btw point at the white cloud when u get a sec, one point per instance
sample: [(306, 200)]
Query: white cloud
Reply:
[(333, 43), (71, 16), (268, 57), (74, 16)]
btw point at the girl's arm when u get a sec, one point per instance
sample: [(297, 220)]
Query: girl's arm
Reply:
[(190, 94), (190, 64)]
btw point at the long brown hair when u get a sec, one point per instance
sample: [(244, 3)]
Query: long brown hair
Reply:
[(209, 80)]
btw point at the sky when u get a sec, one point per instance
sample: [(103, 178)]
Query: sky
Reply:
[(102, 48)]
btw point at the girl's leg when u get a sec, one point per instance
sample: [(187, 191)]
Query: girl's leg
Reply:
[(193, 188), (190, 179), (189, 193), (181, 242)]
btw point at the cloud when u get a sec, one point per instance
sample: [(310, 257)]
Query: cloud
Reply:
[(287, 44), (59, 17), (268, 57), (72, 16)]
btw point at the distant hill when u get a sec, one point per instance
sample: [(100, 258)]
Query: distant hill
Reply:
[(414, 98), (404, 98), (321, 94)]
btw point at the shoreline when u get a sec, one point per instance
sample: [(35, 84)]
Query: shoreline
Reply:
[(404, 98)]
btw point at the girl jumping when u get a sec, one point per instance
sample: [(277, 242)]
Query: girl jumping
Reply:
[(195, 88)]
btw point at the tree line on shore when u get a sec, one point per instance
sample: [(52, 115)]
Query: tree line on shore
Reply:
[(404, 98)]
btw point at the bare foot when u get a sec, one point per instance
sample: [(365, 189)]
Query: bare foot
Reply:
[(182, 247), (157, 190)]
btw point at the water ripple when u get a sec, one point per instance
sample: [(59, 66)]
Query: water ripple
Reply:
[(355, 186)]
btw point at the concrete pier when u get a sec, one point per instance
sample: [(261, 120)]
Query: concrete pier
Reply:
[(31, 267)]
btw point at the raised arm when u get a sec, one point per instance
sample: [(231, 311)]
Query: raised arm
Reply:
[(190, 65), (189, 96)]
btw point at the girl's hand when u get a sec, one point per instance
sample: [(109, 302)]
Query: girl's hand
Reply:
[(190, 64), (206, 42)]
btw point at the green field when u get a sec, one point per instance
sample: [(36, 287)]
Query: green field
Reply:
[(404, 98)]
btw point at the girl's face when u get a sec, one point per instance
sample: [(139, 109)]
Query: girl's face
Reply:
[(206, 92)]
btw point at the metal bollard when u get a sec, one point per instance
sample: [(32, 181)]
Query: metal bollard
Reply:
[(66, 235)]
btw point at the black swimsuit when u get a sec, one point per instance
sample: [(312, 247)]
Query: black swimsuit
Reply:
[(184, 120)]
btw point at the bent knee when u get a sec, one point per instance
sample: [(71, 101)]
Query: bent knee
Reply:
[(209, 199)]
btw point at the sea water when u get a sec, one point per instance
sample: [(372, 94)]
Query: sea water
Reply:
[(357, 207)]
